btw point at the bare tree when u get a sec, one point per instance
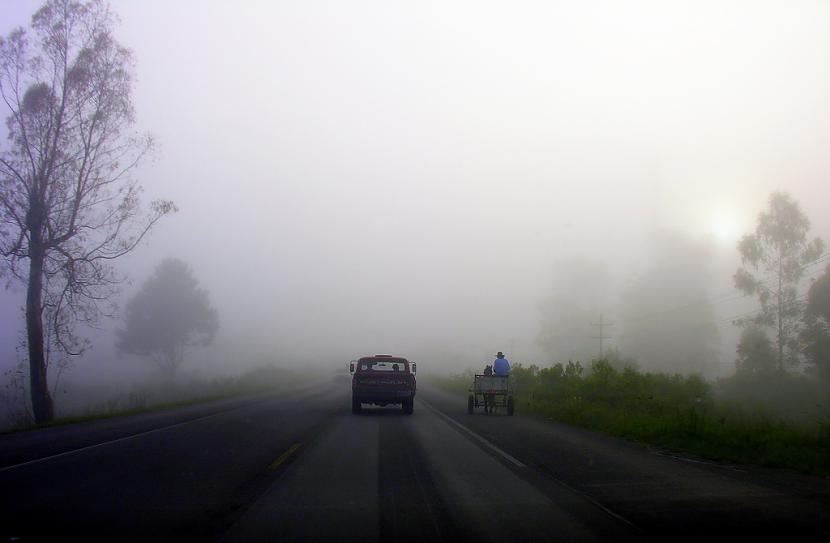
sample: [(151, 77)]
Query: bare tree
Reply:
[(68, 206)]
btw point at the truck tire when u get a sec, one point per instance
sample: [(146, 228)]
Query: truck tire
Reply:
[(356, 407), (510, 405), (470, 403), (408, 406)]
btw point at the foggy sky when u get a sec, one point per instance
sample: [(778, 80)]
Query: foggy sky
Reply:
[(359, 177)]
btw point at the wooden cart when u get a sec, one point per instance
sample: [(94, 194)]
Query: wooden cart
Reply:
[(491, 392)]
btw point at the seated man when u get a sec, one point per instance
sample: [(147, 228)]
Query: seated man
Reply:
[(500, 365)]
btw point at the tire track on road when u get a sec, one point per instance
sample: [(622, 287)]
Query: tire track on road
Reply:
[(411, 506)]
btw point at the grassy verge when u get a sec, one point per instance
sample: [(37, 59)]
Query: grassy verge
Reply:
[(676, 412), (99, 415), (168, 396)]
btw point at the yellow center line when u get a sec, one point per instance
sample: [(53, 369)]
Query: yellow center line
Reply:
[(284, 456)]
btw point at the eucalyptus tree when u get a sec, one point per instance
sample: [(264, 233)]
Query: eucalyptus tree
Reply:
[(774, 259), (69, 205)]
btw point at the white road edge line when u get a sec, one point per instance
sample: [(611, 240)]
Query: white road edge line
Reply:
[(506, 456), (125, 438), (521, 465), (89, 447)]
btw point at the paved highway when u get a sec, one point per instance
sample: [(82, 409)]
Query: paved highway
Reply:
[(301, 467)]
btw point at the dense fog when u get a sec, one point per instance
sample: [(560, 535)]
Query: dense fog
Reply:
[(442, 181)]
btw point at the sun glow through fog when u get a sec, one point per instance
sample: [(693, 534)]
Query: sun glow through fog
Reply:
[(724, 227)]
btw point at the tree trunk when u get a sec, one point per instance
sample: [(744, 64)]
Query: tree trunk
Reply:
[(780, 312), (41, 399)]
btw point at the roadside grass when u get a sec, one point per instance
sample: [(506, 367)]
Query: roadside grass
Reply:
[(164, 396), (99, 415), (676, 412)]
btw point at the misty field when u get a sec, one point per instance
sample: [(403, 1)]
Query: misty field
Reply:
[(681, 413)]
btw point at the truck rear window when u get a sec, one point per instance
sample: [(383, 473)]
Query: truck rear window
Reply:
[(368, 365)]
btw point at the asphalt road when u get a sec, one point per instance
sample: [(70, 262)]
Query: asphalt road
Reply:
[(301, 467)]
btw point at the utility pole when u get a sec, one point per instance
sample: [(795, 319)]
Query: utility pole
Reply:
[(602, 325)]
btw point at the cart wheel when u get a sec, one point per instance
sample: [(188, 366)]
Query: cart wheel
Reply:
[(510, 405), (356, 407), (470, 402)]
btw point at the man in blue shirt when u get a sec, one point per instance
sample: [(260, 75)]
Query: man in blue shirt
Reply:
[(500, 365)]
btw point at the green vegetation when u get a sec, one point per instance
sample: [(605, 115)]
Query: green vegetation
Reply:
[(680, 413)]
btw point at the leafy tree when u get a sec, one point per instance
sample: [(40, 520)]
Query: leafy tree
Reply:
[(620, 361), (779, 249), (755, 352), (68, 206), (169, 315), (816, 333)]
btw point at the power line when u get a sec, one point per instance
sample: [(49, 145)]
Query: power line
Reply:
[(723, 297), (821, 258), (756, 312), (716, 301)]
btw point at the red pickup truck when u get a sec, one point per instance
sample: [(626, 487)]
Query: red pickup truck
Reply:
[(381, 380)]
